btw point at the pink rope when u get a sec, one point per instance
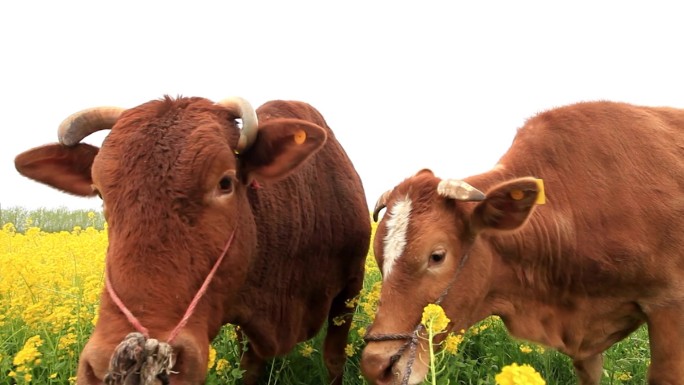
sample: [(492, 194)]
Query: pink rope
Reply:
[(131, 318), (188, 313)]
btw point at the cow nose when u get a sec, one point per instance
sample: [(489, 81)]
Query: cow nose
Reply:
[(190, 360), (378, 368), (88, 376), (92, 364), (189, 363)]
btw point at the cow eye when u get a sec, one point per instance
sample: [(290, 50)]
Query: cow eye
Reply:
[(437, 257), (226, 185)]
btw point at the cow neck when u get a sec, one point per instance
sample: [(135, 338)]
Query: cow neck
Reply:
[(133, 320)]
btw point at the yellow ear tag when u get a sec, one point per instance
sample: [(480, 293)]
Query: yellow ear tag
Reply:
[(541, 196), (300, 136), (517, 194)]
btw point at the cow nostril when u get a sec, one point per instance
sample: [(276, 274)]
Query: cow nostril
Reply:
[(380, 370), (387, 376), (90, 377), (394, 359)]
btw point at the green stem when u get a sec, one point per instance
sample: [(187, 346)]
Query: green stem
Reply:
[(432, 356)]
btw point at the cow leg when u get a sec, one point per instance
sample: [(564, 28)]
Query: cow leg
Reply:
[(666, 337), (589, 370), (253, 365), (339, 322)]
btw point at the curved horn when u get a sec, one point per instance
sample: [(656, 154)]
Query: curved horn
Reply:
[(250, 123), (381, 204), (459, 190), (83, 123)]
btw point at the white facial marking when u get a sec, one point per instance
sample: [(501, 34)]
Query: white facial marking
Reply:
[(395, 239)]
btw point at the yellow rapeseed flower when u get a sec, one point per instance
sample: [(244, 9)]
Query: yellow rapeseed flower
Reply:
[(9, 229), (352, 302), (231, 333), (29, 353), (349, 350), (623, 376), (452, 342), (434, 318), (66, 342), (515, 374), (306, 350), (38, 292), (370, 300), (212, 357), (222, 365)]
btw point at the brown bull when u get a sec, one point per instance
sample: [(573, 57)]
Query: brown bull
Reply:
[(275, 208), (604, 255)]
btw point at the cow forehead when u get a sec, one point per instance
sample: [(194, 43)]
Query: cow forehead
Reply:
[(415, 208), (162, 133), (167, 152), (397, 224)]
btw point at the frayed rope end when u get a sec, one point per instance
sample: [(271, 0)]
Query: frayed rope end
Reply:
[(140, 361)]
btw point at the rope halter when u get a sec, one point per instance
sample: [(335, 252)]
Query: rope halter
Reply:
[(141, 360)]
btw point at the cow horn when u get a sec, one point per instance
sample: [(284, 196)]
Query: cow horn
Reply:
[(459, 190), (250, 123), (83, 123), (381, 204)]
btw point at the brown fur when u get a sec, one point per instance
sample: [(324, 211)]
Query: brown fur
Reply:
[(604, 254), (300, 244)]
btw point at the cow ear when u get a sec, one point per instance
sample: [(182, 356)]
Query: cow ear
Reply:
[(281, 146), (508, 205), (64, 168)]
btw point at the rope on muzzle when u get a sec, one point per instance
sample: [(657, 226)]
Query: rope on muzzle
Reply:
[(141, 360), (411, 344), (413, 337)]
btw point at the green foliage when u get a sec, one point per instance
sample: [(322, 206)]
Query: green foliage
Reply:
[(51, 220)]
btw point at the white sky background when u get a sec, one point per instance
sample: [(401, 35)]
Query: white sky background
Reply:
[(404, 85)]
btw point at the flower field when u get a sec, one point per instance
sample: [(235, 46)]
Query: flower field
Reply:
[(50, 283)]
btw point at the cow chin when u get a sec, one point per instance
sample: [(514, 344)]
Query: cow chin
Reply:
[(380, 365), (190, 353)]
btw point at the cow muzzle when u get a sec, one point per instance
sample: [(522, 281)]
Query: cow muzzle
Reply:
[(391, 363), (140, 361)]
